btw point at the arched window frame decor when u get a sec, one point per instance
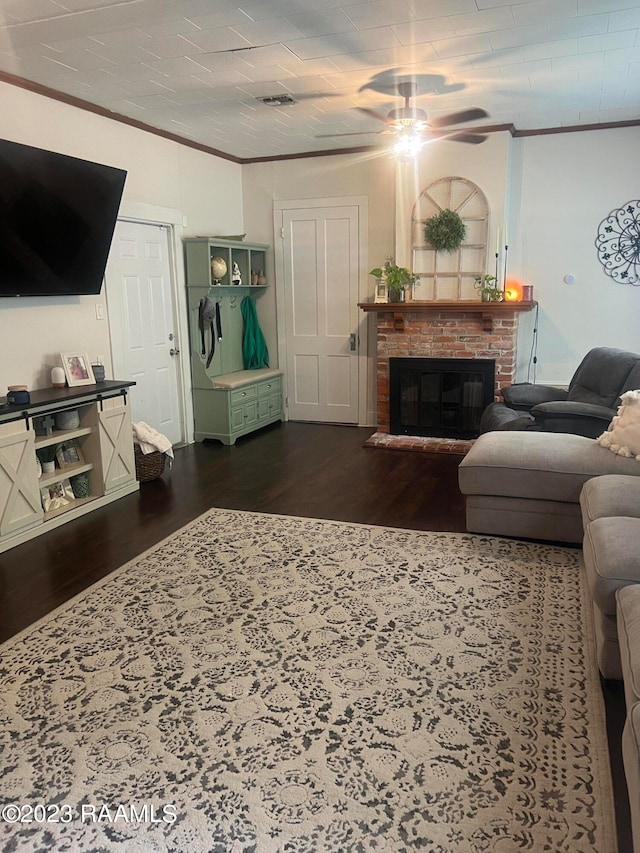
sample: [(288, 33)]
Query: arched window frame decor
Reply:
[(450, 276)]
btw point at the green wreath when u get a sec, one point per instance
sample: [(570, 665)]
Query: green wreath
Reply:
[(445, 231)]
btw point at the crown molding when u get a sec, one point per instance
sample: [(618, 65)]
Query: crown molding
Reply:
[(87, 106)]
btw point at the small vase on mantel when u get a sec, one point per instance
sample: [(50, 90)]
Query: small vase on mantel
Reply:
[(254, 277), (262, 279)]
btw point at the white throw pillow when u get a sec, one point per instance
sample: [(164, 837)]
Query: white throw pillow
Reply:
[(623, 433)]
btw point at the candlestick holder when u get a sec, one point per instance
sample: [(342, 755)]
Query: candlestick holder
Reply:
[(504, 271)]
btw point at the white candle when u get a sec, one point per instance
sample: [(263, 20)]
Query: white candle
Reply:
[(498, 241), (506, 238)]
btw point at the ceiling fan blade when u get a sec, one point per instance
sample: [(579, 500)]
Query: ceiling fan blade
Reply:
[(458, 118), (356, 133), (470, 138), (373, 114)]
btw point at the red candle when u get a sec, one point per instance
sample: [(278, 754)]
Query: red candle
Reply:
[(513, 291)]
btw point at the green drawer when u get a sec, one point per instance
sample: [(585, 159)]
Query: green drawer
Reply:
[(269, 386), (247, 392)]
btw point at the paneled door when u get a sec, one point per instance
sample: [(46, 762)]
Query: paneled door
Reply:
[(321, 269), (143, 324)]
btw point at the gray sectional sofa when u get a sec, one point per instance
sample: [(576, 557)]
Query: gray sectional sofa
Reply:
[(528, 484)]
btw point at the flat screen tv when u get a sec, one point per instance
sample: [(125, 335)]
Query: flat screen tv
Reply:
[(57, 215)]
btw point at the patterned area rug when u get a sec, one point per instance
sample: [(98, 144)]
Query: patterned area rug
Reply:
[(265, 683)]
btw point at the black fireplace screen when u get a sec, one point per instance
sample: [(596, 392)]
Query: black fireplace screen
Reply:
[(439, 397)]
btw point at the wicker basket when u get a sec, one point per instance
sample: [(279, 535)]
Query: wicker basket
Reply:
[(149, 466)]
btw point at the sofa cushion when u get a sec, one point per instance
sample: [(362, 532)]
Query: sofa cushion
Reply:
[(628, 610), (611, 558), (524, 395), (607, 646), (498, 416), (544, 466), (611, 494)]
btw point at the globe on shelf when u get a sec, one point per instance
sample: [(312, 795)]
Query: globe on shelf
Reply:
[(218, 269)]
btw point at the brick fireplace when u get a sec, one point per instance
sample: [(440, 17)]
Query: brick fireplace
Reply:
[(445, 330)]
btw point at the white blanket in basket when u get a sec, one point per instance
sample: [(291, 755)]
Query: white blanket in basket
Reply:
[(150, 440)]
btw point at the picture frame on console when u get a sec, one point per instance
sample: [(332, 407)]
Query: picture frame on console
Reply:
[(77, 368), (56, 495), (69, 454)]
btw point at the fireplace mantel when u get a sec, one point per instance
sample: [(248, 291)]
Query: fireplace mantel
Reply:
[(488, 310)]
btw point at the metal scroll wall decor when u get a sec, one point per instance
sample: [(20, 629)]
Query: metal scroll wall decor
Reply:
[(618, 243)]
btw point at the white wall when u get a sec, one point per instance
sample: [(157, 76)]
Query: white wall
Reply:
[(562, 186), (207, 191)]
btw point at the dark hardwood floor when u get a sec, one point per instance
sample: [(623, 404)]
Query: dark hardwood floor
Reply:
[(293, 469)]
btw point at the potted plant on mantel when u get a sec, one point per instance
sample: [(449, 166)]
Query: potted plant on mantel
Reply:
[(489, 288), (397, 279)]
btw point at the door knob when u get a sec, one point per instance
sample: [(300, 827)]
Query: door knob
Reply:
[(173, 351)]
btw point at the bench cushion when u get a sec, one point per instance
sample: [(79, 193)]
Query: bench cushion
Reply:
[(244, 377)]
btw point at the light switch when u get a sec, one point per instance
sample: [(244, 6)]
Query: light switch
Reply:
[(99, 311)]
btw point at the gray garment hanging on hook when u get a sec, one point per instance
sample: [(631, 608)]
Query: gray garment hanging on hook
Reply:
[(207, 311)]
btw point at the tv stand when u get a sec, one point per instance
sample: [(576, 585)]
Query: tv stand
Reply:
[(105, 443)]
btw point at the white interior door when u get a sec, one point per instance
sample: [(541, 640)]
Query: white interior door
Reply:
[(143, 324), (321, 269)]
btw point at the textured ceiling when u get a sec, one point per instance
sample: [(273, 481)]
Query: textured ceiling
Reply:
[(196, 68)]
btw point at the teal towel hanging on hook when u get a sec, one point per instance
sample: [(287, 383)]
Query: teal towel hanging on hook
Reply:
[(254, 348)]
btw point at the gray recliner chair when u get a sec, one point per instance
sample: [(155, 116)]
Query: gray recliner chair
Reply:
[(585, 408)]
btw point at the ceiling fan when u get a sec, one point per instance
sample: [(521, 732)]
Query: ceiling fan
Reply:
[(413, 127)]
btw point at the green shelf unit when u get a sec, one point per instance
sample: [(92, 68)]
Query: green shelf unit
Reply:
[(221, 413), (200, 250)]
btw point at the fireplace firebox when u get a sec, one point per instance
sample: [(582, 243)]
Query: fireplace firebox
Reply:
[(439, 397)]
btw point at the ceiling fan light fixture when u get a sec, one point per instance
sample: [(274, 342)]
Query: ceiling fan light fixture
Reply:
[(407, 117), (408, 145)]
